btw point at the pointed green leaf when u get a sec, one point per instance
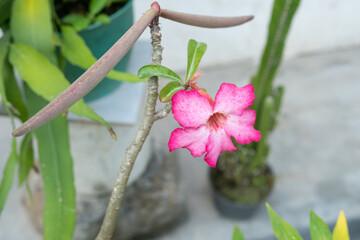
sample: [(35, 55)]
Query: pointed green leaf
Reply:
[(79, 22), (97, 6), (318, 228), (237, 234), (77, 53), (102, 18), (56, 166), (46, 79), (26, 158), (169, 90), (4, 44), (282, 229), (160, 71), (5, 9), (196, 51), (8, 175), (31, 24), (341, 231), (13, 92)]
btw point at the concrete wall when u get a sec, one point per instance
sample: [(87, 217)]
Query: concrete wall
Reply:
[(319, 25)]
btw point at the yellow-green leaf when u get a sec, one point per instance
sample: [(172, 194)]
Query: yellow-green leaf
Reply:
[(341, 229), (26, 158), (282, 229), (45, 79), (31, 24), (77, 53), (318, 228), (237, 234)]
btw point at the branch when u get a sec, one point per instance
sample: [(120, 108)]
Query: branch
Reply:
[(204, 21), (163, 112), (93, 76), (133, 150)]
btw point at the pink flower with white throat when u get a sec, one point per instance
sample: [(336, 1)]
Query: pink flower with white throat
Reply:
[(209, 125)]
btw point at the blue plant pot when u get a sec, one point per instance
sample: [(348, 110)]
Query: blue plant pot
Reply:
[(99, 38)]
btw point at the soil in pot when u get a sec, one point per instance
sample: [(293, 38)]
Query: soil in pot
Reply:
[(238, 192)]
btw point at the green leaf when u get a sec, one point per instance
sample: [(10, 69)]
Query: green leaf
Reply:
[(26, 158), (282, 229), (102, 18), (77, 53), (318, 228), (8, 175), (196, 51), (31, 24), (4, 45), (5, 9), (341, 231), (46, 79), (13, 92), (282, 16), (97, 6), (160, 71), (79, 22), (237, 234), (169, 90), (56, 166)]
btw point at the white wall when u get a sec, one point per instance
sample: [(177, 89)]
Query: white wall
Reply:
[(319, 25)]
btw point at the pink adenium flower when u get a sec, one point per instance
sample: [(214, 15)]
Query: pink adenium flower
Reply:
[(209, 125)]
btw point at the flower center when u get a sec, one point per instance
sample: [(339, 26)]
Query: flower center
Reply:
[(216, 121)]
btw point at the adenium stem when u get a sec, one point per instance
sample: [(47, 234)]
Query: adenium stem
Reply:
[(204, 21), (133, 150)]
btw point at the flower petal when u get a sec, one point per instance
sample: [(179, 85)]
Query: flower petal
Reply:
[(233, 99), (242, 127), (218, 142), (193, 139), (190, 109)]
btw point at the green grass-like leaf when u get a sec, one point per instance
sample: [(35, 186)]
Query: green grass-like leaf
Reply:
[(282, 229), (56, 166), (196, 51), (31, 24), (8, 175), (26, 158), (46, 79), (74, 49), (160, 71)]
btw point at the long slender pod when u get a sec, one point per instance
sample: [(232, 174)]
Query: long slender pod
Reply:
[(204, 21)]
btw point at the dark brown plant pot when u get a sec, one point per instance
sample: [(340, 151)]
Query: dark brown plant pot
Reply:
[(233, 209)]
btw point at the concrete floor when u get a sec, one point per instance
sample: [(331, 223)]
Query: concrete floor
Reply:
[(315, 153)]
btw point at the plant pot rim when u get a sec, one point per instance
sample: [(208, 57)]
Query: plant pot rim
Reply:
[(112, 17)]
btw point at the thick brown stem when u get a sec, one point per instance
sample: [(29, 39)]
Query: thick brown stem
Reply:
[(133, 150), (204, 21), (93, 76)]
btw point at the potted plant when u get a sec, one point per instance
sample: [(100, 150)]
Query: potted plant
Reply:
[(243, 179), (100, 24), (38, 40)]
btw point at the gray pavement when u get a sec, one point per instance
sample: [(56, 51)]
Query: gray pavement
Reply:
[(315, 153)]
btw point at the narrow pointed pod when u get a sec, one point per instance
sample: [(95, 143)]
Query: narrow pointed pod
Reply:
[(204, 21), (93, 76)]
